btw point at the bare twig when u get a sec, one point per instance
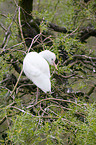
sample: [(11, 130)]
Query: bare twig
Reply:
[(3, 15), (33, 41), (16, 84), (1, 121), (61, 100), (91, 90), (7, 40), (8, 33), (3, 27), (66, 77), (21, 110), (21, 29)]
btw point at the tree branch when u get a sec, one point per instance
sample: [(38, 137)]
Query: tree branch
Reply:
[(57, 28), (49, 99), (91, 90), (87, 32), (8, 33)]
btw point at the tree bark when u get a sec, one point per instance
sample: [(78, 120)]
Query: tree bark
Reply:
[(29, 26)]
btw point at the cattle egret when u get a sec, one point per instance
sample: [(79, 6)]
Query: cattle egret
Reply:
[(36, 68)]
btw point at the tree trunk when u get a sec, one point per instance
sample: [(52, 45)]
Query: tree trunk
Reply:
[(29, 26)]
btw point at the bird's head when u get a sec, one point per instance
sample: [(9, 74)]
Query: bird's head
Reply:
[(49, 56)]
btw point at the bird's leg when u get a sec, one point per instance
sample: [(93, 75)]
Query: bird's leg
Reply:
[(37, 94)]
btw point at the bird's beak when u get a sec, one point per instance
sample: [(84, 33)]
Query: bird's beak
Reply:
[(55, 65)]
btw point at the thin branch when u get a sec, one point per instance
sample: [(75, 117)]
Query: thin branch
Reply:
[(3, 15), (80, 57), (21, 110), (84, 57), (58, 106), (49, 99), (66, 77), (73, 31), (91, 90), (7, 40), (16, 84), (8, 33), (3, 27), (4, 118), (17, 90), (21, 28), (33, 41), (7, 50)]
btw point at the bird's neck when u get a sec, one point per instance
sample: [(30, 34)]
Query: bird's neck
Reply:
[(43, 54)]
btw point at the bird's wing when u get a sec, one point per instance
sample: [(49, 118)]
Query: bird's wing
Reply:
[(31, 70), (37, 77), (36, 64), (43, 82)]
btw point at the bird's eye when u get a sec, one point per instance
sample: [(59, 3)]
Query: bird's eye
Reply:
[(52, 59)]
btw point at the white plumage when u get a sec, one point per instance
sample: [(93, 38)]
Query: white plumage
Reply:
[(36, 68)]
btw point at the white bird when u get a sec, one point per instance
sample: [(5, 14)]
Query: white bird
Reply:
[(36, 68)]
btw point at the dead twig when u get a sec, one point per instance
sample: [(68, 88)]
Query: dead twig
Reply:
[(8, 33), (49, 99)]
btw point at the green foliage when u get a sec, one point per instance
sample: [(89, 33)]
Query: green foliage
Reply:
[(86, 132), (54, 122), (52, 11), (77, 126)]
